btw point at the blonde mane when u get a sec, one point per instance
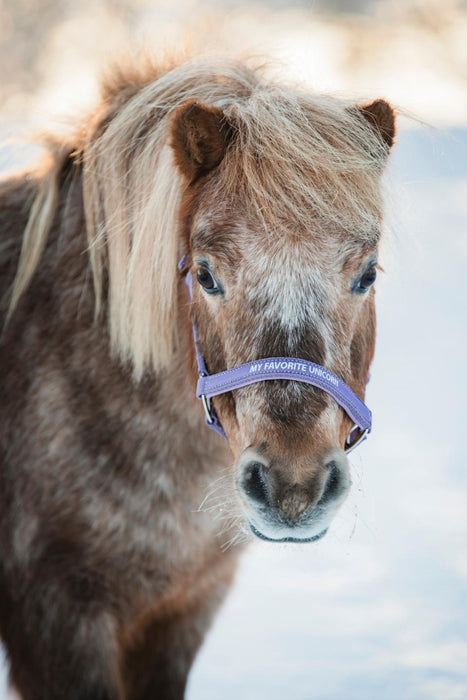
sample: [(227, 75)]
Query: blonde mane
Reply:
[(296, 158)]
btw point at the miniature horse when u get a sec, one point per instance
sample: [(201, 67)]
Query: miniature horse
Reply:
[(118, 507)]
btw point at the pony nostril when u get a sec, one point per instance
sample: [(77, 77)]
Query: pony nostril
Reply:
[(333, 486), (254, 482)]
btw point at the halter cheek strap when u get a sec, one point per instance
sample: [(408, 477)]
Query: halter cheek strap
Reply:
[(289, 368)]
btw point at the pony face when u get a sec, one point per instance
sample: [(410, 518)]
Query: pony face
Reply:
[(278, 273), (292, 297)]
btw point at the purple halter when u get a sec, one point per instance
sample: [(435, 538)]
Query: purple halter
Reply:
[(290, 368)]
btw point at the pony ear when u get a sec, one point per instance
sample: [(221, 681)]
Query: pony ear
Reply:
[(200, 136), (382, 118)]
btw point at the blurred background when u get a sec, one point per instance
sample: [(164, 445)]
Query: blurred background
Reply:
[(377, 610)]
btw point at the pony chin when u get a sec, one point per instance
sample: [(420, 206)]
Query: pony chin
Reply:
[(303, 538)]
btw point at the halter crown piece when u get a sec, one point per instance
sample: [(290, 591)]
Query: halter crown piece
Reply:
[(291, 368)]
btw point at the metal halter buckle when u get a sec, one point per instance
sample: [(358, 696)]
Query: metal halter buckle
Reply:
[(207, 408), (352, 446)]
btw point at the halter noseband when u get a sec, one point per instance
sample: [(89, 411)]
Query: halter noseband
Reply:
[(290, 368)]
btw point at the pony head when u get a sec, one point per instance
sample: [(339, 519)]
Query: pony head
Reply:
[(282, 218), (274, 195)]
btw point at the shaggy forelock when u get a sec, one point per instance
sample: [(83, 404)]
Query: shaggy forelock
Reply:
[(302, 162), (295, 161)]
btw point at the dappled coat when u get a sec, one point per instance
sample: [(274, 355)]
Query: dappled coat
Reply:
[(120, 514)]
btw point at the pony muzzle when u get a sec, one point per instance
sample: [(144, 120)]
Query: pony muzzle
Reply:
[(282, 507)]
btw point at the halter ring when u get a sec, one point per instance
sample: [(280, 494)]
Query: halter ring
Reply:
[(349, 447), (207, 408)]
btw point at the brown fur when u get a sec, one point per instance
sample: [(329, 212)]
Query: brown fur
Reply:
[(381, 116), (89, 543), (200, 136), (111, 569)]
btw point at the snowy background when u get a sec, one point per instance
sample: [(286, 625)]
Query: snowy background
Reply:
[(377, 610)]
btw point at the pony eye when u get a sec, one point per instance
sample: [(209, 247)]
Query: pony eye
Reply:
[(366, 280), (206, 280)]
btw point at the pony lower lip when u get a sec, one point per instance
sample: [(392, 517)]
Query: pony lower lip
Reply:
[(259, 534)]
